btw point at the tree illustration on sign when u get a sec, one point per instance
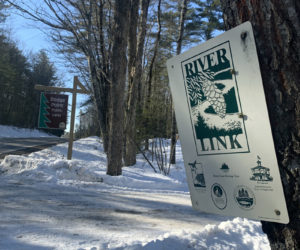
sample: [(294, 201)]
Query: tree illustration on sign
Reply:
[(43, 119), (211, 98), (201, 87)]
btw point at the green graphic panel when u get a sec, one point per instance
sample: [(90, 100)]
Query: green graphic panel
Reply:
[(43, 112), (213, 98)]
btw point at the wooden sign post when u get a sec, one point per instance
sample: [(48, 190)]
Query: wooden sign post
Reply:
[(74, 91)]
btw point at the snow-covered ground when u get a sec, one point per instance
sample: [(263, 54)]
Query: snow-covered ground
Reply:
[(48, 202), (10, 131)]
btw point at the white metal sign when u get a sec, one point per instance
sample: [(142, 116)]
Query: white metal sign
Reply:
[(224, 128)]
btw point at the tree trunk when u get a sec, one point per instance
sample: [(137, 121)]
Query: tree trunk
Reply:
[(147, 107), (178, 51), (100, 99), (118, 78), (129, 150), (173, 136), (276, 27), (135, 78), (103, 82), (100, 84)]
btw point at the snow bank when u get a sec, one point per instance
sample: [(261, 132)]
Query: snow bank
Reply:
[(138, 210), (10, 131), (232, 234), (40, 170), (88, 164)]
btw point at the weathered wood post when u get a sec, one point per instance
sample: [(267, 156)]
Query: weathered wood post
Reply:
[(72, 121)]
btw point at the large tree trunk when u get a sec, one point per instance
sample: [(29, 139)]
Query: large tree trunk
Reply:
[(147, 105), (178, 51), (276, 27), (99, 82), (134, 79), (118, 78), (129, 155)]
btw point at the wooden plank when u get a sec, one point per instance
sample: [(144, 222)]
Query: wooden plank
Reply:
[(59, 89), (80, 85)]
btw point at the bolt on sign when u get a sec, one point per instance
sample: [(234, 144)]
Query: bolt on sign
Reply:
[(53, 111), (224, 128)]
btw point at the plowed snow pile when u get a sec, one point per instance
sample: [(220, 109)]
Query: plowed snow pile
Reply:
[(49, 202)]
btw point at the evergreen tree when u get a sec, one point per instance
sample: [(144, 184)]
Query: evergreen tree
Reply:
[(42, 72), (14, 77), (202, 20), (19, 102)]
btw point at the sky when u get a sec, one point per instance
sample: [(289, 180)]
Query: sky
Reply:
[(30, 38), (27, 36)]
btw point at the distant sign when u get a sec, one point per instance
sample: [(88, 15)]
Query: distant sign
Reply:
[(53, 111), (224, 128)]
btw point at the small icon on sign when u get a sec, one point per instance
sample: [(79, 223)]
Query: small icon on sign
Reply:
[(62, 125), (224, 167), (244, 197), (218, 196), (197, 174), (260, 173)]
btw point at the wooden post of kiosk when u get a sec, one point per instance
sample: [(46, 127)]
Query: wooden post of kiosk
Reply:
[(72, 122), (74, 91)]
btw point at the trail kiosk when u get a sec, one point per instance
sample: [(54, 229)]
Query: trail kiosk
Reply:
[(224, 128), (53, 111), (53, 108)]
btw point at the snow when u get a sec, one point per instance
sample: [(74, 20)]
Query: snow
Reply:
[(10, 131), (49, 202)]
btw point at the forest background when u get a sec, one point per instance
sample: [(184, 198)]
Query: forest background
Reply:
[(134, 90)]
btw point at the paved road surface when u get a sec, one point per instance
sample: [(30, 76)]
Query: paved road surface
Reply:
[(40, 216), (26, 145)]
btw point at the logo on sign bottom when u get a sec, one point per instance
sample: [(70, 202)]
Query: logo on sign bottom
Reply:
[(244, 197), (218, 196), (197, 175), (261, 173)]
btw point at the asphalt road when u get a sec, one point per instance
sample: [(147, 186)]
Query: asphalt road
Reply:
[(19, 146), (41, 216)]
